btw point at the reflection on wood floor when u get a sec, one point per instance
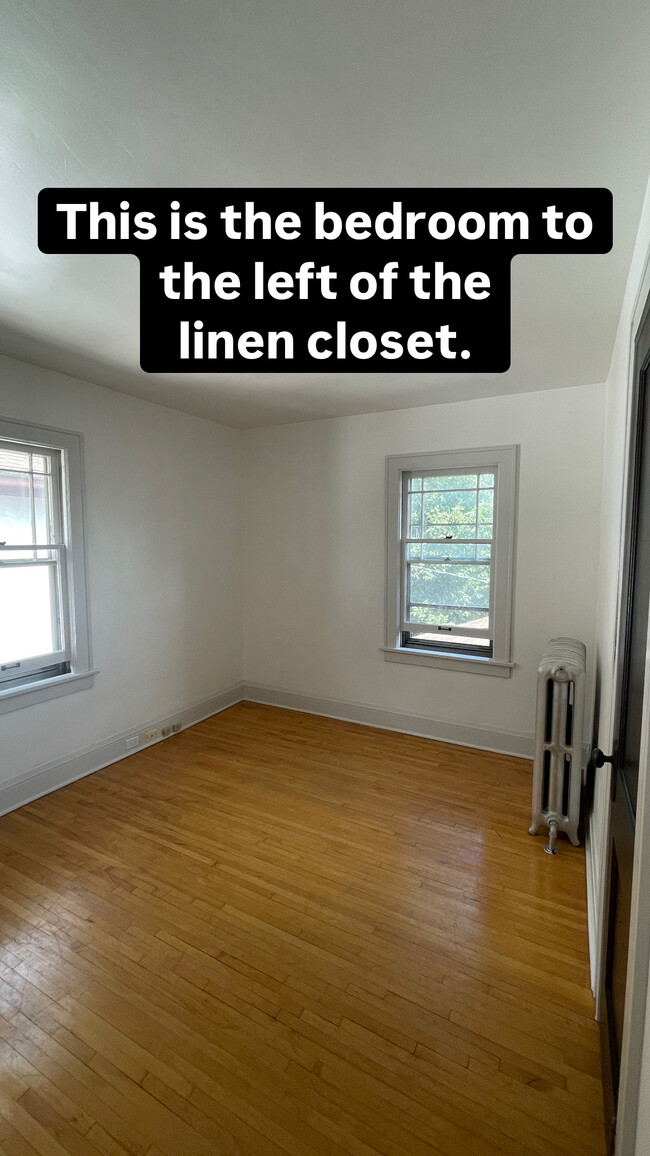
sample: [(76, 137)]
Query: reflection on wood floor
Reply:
[(277, 933)]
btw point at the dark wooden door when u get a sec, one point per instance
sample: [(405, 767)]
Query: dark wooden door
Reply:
[(625, 766)]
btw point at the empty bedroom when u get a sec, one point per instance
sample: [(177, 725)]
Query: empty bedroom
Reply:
[(324, 717)]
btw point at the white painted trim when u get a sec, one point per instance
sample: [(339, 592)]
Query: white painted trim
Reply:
[(21, 789), (470, 664), (485, 738), (35, 692)]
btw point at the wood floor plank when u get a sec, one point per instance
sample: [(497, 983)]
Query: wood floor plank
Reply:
[(279, 933)]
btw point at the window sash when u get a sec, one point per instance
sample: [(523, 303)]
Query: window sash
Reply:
[(499, 460), (55, 475), (440, 646), (457, 630), (443, 541), (17, 666), (58, 659), (428, 475), (78, 673), (28, 548), (448, 644), (405, 624)]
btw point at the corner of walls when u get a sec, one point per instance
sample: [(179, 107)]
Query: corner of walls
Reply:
[(315, 556), (164, 588), (21, 789), (191, 634)]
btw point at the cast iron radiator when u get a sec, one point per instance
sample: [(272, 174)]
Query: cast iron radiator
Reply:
[(557, 771)]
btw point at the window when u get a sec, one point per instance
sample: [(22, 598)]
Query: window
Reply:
[(450, 558), (44, 639)]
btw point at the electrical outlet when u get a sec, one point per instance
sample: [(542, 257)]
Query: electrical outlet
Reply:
[(166, 731), (176, 727), (129, 744), (150, 735)]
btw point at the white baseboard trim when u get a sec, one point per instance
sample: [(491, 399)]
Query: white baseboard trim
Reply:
[(458, 734), (23, 789)]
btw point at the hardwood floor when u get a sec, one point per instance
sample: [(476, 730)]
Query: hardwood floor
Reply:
[(276, 933)]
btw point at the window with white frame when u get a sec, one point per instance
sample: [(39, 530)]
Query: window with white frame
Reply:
[(44, 638), (451, 519)]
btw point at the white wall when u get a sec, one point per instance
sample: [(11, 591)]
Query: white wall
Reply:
[(164, 515), (314, 550), (163, 533), (162, 528)]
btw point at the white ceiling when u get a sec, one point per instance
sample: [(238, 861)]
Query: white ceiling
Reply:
[(294, 93)]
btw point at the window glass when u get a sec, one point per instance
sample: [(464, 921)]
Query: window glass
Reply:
[(448, 563), (449, 587), (27, 612)]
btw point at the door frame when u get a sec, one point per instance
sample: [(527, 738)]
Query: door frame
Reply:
[(639, 942)]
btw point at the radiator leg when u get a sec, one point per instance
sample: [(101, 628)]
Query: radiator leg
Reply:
[(550, 847)]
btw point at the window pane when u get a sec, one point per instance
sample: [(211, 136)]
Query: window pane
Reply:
[(456, 617), (486, 480), (13, 459), (450, 512), (41, 464), (451, 482), (450, 506), (26, 498), (440, 591), (27, 613), (485, 513), (415, 483), (15, 507), (414, 512), (43, 512), (454, 511)]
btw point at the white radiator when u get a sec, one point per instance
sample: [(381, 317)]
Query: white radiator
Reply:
[(557, 772)]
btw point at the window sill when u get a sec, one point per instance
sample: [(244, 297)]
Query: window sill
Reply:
[(32, 693), (464, 662)]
